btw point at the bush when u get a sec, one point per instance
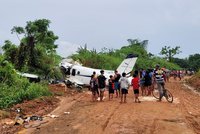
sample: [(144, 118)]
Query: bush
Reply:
[(15, 89), (36, 90), (10, 95)]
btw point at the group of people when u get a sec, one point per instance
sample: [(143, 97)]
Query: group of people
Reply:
[(119, 84), (98, 85)]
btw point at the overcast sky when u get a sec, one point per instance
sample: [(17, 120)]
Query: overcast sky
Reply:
[(109, 23)]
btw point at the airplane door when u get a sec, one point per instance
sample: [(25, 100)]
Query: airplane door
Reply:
[(73, 72), (68, 71)]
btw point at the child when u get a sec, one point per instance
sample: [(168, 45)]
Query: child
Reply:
[(124, 84), (111, 87), (135, 84)]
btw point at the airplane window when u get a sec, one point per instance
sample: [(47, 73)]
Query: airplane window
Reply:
[(78, 72), (73, 72)]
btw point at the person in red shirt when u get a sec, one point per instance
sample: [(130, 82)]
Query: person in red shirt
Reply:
[(135, 84)]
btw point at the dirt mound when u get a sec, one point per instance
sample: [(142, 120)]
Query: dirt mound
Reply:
[(194, 81)]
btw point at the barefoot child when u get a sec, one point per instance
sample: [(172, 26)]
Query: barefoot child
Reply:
[(135, 84), (111, 87)]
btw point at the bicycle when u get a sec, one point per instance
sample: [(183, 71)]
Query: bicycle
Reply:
[(167, 94)]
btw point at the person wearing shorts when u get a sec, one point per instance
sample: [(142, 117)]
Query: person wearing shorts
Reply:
[(94, 88), (111, 87), (124, 84), (102, 84), (116, 83), (135, 84)]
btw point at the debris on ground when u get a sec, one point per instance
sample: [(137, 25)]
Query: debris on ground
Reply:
[(52, 116), (33, 111), (66, 112)]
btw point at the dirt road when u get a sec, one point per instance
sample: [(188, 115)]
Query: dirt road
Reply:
[(110, 117)]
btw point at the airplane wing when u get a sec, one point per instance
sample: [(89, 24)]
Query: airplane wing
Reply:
[(28, 75), (127, 64)]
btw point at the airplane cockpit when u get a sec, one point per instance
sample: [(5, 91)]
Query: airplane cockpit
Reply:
[(69, 71)]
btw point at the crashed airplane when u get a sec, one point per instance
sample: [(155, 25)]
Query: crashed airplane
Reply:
[(80, 75)]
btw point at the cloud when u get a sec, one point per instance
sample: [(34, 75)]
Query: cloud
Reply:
[(66, 48)]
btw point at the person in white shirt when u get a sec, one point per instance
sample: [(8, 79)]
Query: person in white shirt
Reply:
[(124, 85)]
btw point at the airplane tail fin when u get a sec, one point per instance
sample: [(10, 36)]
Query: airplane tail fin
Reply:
[(127, 64)]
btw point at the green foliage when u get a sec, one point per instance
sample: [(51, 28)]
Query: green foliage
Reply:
[(169, 52), (194, 62), (37, 50), (183, 63), (110, 59), (10, 50), (14, 89), (14, 94), (7, 72), (191, 63), (95, 60)]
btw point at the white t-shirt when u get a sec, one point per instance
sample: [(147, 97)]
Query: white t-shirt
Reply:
[(124, 83)]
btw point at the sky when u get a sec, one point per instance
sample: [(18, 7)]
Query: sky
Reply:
[(109, 23)]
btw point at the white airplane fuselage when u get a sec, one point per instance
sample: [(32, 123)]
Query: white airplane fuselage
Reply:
[(82, 75)]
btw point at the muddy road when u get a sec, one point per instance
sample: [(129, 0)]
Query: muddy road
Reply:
[(110, 117)]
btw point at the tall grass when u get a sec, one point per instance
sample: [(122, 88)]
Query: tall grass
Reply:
[(10, 95)]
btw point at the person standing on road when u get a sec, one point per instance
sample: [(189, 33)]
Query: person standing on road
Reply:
[(136, 85), (111, 87), (124, 84), (95, 78), (94, 88), (142, 80), (147, 82), (159, 78), (102, 84), (117, 76)]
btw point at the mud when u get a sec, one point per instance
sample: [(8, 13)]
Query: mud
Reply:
[(78, 115), (111, 117)]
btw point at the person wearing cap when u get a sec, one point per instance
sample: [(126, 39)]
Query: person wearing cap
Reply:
[(102, 84), (159, 79)]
